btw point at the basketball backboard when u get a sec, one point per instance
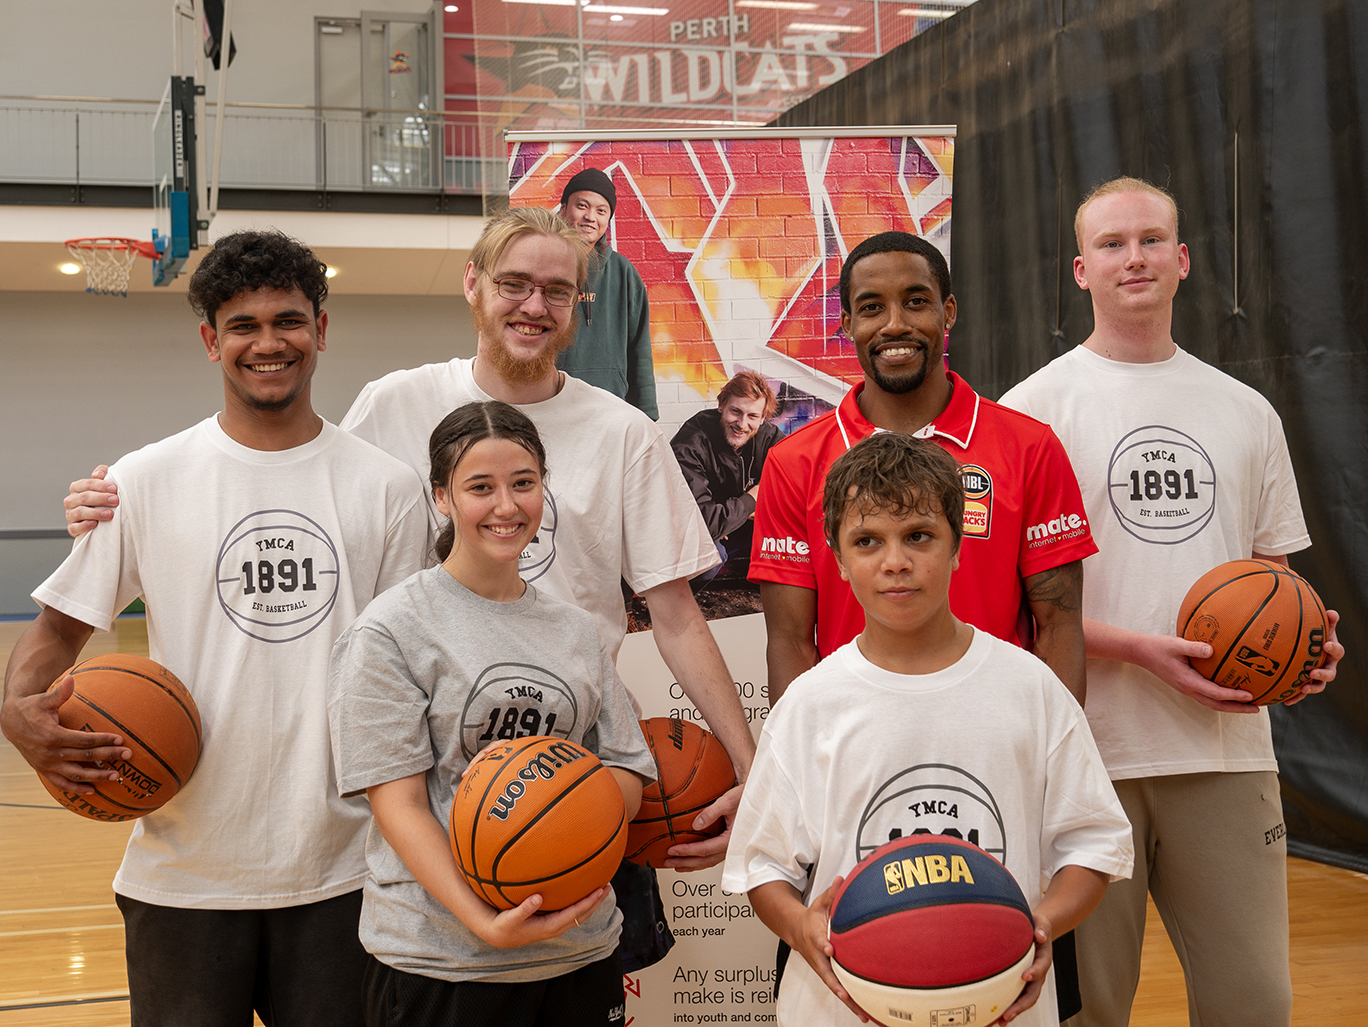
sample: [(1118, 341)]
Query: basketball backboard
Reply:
[(174, 199)]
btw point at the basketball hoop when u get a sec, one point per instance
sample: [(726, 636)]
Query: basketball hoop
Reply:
[(109, 262)]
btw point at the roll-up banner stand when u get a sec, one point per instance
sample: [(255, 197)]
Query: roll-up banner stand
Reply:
[(739, 237)]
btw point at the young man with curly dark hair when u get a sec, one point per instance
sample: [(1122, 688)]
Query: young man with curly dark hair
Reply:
[(253, 548)]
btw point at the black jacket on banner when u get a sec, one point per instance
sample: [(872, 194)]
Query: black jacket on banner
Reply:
[(718, 475)]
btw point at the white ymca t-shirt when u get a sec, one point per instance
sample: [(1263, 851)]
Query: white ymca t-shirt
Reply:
[(1182, 468), (617, 505), (251, 563), (992, 749)]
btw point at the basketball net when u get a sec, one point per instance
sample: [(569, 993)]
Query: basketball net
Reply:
[(109, 262)]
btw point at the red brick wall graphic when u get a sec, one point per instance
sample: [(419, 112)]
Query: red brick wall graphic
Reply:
[(740, 243)]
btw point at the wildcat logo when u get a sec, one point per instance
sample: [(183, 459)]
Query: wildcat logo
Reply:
[(978, 500), (544, 766), (901, 874)]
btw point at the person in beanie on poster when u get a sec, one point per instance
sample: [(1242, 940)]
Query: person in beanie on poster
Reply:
[(613, 343)]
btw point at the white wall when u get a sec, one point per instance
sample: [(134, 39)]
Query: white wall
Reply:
[(122, 48), (85, 379)]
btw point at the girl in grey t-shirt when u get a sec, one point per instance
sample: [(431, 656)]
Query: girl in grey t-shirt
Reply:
[(457, 657)]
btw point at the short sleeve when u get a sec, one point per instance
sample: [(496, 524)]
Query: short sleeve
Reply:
[(617, 736), (99, 578), (376, 711), (663, 534), (1054, 523), (406, 542), (1279, 527), (771, 839), (1082, 821), (781, 517)]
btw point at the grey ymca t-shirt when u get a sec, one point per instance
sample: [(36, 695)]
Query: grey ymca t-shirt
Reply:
[(426, 677)]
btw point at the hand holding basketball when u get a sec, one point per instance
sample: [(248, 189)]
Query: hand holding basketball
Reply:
[(63, 756), (710, 851), (1033, 975), (812, 941), (1167, 658), (1322, 676), (523, 925)]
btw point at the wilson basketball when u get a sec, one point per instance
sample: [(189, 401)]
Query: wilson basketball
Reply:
[(537, 814), (692, 771), (146, 705), (930, 929), (1264, 623)]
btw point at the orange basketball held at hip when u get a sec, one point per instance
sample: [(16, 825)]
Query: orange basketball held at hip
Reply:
[(1265, 625), (537, 815), (148, 707), (692, 772)]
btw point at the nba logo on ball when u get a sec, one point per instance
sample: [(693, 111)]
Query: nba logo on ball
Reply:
[(277, 575), (1162, 485), (931, 931)]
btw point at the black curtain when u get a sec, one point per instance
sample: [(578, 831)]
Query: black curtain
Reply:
[(1251, 113)]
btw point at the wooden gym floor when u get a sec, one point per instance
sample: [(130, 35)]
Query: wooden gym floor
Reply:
[(61, 936)]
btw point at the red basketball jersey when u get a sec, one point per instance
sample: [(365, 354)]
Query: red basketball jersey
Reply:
[(1023, 512)]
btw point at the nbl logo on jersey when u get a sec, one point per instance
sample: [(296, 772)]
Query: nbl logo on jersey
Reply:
[(978, 500), (277, 575)]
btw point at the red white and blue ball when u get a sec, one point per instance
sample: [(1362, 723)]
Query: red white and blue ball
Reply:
[(931, 931)]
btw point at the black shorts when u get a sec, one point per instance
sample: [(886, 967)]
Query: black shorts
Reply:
[(591, 996), (296, 966), (646, 936)]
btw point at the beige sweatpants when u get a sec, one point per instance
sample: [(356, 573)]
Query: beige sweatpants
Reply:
[(1211, 850)]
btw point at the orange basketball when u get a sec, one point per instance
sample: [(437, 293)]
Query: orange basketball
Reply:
[(1264, 623), (537, 814), (693, 770), (146, 705)]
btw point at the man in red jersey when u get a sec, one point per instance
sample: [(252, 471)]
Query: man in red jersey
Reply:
[(1025, 529), (1020, 575)]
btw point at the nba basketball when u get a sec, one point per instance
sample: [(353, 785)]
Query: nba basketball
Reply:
[(537, 815), (929, 929), (1265, 625), (146, 705), (692, 772)]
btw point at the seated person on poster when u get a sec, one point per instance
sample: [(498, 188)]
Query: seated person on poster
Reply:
[(721, 453), (613, 341), (406, 682), (916, 689)]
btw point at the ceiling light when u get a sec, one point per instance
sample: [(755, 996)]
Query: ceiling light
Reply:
[(331, 272), (616, 9), (777, 5), (451, 8), (69, 268), (803, 26), (924, 12), (546, 3), (615, 17)]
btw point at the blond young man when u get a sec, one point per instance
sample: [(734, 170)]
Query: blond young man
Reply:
[(1182, 468)]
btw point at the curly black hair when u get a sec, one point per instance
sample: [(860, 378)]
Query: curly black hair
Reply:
[(248, 260)]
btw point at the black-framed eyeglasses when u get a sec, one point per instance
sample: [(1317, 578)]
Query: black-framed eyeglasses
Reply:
[(557, 294)]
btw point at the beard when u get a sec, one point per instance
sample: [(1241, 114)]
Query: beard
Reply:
[(900, 384), (515, 370)]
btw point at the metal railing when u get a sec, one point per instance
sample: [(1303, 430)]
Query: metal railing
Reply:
[(264, 147)]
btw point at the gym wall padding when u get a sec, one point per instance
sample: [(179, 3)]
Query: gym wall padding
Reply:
[(1252, 113)]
